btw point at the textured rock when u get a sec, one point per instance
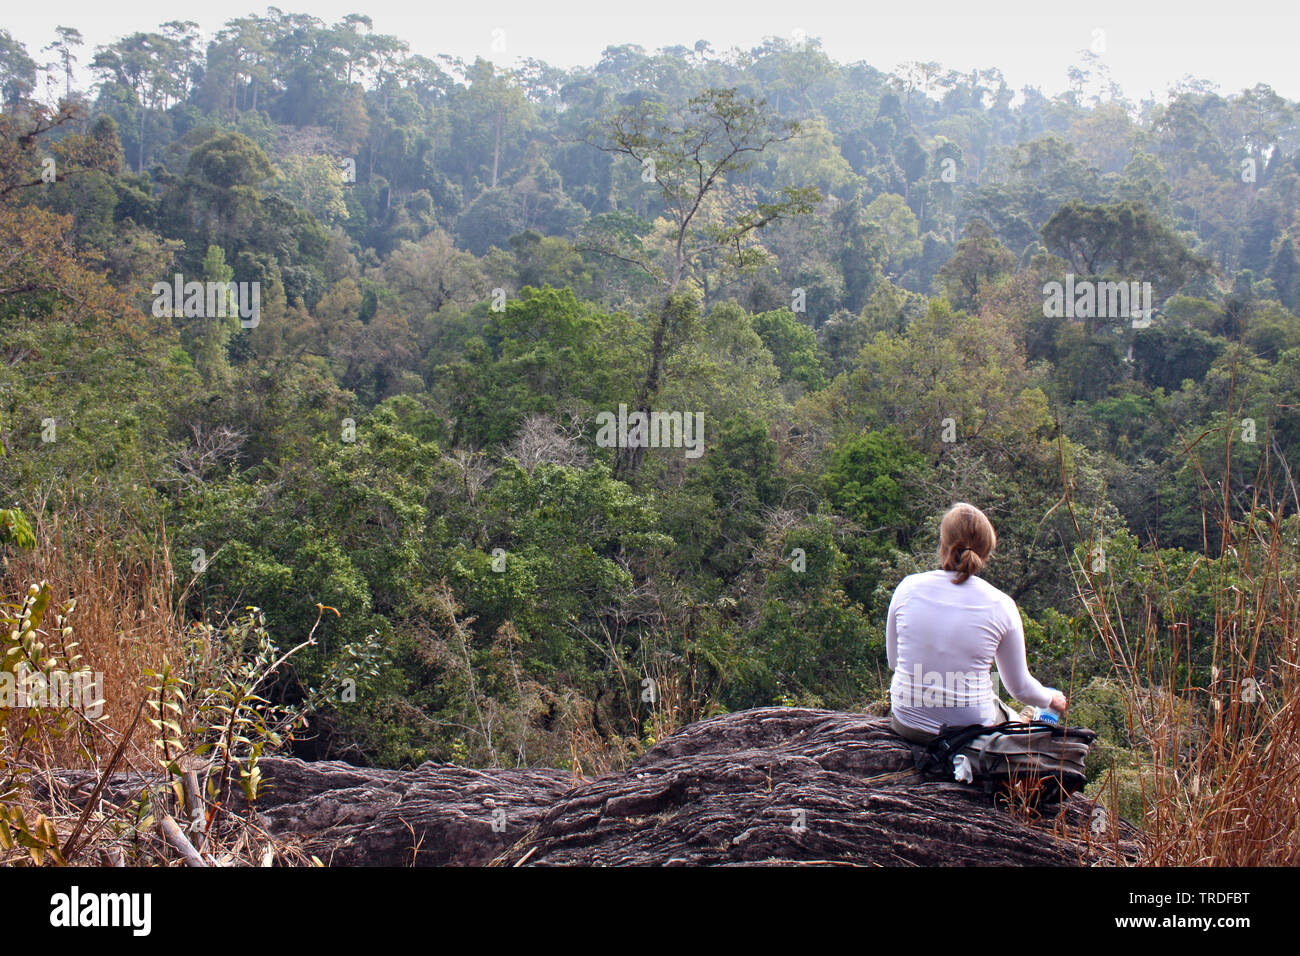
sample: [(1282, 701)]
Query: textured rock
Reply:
[(434, 815), (767, 786), (785, 785)]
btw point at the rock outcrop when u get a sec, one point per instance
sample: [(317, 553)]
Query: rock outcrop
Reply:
[(434, 815), (766, 786), (786, 785)]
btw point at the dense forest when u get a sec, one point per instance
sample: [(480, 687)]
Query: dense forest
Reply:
[(380, 427)]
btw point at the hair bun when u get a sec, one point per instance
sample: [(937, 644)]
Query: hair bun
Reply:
[(966, 539)]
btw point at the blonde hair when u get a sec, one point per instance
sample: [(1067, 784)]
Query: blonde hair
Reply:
[(966, 539)]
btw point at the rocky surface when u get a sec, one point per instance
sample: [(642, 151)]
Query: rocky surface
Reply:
[(434, 815), (785, 785), (765, 786)]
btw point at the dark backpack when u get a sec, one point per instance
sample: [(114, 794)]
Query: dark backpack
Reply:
[(1040, 760)]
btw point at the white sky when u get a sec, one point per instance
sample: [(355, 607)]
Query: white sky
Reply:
[(1148, 46)]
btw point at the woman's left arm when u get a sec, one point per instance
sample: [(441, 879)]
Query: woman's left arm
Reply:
[(1013, 667), (891, 631)]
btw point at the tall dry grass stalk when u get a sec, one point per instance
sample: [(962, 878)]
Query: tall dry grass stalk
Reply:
[(1217, 714), (127, 619), (128, 627)]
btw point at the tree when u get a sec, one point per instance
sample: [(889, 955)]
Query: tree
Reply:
[(1121, 241), (870, 480), (206, 338), (17, 71), (1036, 179), (813, 159), (716, 519), (547, 353), (861, 250), (1284, 270), (489, 117), (66, 331), (690, 152), (866, 477), (432, 274), (68, 39), (549, 260), (793, 346), (230, 161), (812, 645), (898, 227), (978, 261), (145, 65), (1166, 357), (218, 200), (312, 183), (26, 138), (951, 378), (566, 535)]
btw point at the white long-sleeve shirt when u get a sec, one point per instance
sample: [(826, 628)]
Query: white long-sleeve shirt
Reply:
[(942, 639)]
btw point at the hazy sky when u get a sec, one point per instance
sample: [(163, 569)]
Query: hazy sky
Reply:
[(1147, 46)]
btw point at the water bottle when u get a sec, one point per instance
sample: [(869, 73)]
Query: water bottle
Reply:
[(1046, 714)]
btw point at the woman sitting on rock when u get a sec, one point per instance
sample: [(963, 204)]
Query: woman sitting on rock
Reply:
[(945, 630)]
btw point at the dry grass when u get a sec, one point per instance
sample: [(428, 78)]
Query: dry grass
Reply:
[(127, 620), (1221, 782)]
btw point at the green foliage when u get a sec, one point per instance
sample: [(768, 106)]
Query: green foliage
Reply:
[(459, 273), (15, 529), (46, 696), (812, 645), (717, 520), (793, 347), (865, 480), (564, 535), (545, 354), (978, 261), (1165, 358), (39, 663)]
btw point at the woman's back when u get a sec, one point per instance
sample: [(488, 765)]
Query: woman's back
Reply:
[(942, 639)]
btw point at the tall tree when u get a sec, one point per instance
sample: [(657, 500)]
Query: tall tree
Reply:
[(17, 70), (68, 39), (691, 152)]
